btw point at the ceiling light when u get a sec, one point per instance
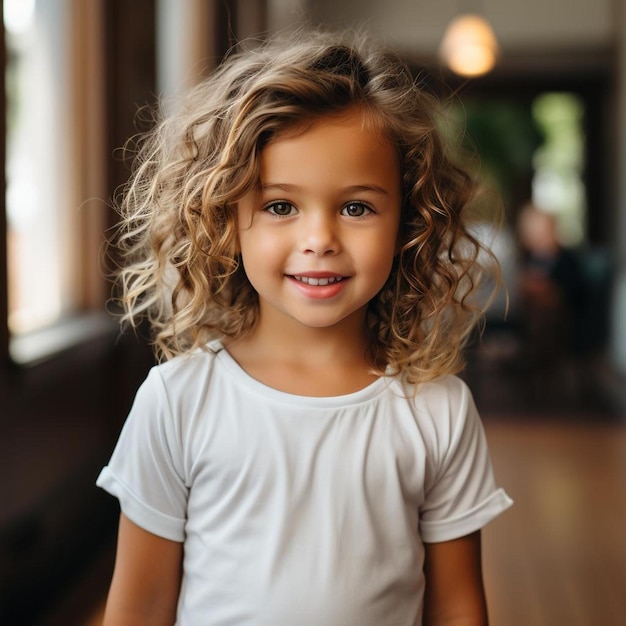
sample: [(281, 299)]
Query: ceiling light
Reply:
[(469, 46)]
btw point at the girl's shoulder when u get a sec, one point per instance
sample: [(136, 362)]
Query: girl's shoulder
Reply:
[(186, 368), (444, 404), (448, 389), (191, 359)]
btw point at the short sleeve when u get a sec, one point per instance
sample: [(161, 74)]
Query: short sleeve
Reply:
[(461, 495), (145, 471)]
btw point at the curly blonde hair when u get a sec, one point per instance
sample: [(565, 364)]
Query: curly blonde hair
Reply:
[(178, 235)]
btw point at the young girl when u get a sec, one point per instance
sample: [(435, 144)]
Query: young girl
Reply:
[(295, 234)]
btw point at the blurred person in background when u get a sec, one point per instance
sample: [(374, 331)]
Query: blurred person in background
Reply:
[(552, 292)]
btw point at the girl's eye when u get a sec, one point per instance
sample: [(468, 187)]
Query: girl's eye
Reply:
[(281, 209), (356, 209)]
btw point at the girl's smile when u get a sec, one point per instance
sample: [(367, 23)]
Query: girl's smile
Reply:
[(320, 284), (318, 237), (319, 279)]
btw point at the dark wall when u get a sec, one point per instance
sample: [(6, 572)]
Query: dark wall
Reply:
[(59, 422)]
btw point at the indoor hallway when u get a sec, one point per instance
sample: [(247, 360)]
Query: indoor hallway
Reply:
[(557, 427)]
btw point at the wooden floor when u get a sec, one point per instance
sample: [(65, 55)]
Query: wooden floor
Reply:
[(558, 557)]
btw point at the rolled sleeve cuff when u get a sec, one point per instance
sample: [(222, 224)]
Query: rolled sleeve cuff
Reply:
[(138, 512), (469, 522)]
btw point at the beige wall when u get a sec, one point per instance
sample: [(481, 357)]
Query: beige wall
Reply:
[(417, 25)]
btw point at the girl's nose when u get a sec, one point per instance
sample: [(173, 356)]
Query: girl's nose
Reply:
[(319, 236)]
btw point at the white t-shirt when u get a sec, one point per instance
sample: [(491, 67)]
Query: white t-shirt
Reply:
[(300, 511)]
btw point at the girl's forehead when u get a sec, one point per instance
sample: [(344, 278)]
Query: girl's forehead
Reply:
[(331, 153), (368, 120)]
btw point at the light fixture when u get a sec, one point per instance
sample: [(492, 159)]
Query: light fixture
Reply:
[(469, 45)]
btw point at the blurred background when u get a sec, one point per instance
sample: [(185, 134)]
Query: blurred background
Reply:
[(538, 86)]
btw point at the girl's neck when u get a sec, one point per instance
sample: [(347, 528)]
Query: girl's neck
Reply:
[(306, 361)]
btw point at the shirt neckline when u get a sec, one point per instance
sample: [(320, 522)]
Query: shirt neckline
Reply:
[(250, 383)]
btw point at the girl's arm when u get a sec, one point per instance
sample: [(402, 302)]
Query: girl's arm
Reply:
[(454, 583), (146, 579)]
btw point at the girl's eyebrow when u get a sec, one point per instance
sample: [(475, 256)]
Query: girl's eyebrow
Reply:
[(372, 188)]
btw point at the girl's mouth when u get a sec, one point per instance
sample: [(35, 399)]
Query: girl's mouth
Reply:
[(315, 281), (324, 286)]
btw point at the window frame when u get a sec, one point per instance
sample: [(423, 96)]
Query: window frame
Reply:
[(87, 199), (4, 304), (114, 56)]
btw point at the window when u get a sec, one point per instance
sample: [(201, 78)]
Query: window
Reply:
[(558, 186), (55, 199)]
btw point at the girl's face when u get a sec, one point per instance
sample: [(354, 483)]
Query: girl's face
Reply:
[(319, 237)]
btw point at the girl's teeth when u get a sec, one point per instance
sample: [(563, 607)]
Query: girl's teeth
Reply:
[(318, 281)]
